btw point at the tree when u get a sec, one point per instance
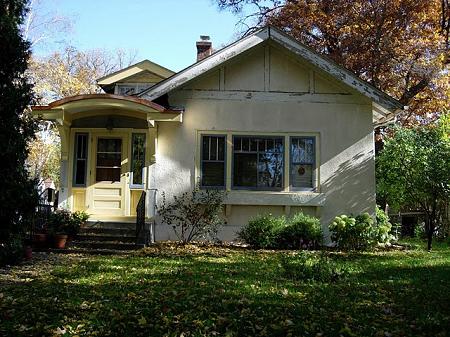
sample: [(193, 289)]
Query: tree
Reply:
[(44, 27), (400, 46), (413, 169), (73, 72), (43, 161), (17, 197)]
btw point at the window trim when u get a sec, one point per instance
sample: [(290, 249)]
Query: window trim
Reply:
[(138, 186), (75, 159), (249, 188), (314, 165), (229, 158), (224, 136)]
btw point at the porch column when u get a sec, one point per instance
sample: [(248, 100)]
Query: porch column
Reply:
[(63, 198), (151, 191)]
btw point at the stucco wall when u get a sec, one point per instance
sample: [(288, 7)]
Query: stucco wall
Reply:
[(343, 124)]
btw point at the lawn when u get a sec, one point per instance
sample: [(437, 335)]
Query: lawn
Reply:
[(225, 292)]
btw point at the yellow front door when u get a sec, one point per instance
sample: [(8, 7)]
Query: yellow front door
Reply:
[(108, 174)]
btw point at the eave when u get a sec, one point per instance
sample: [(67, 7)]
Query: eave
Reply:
[(65, 110), (134, 69)]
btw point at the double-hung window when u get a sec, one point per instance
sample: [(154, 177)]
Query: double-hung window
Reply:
[(80, 159), (213, 156), (258, 162), (303, 153)]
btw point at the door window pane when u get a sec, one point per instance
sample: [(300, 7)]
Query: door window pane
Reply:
[(109, 158)]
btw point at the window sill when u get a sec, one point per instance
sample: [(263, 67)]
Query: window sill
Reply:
[(271, 198)]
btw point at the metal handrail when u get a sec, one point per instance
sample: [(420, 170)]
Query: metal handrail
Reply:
[(140, 218)]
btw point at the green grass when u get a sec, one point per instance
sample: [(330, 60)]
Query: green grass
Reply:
[(227, 292)]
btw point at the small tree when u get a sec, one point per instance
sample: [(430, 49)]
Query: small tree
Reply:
[(195, 214), (413, 169)]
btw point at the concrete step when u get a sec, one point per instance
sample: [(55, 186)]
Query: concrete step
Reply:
[(111, 224), (114, 245), (91, 251), (102, 237), (107, 231)]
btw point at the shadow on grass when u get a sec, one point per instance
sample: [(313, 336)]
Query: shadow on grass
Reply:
[(238, 294)]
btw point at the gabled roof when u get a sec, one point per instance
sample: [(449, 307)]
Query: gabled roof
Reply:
[(270, 33), (134, 69)]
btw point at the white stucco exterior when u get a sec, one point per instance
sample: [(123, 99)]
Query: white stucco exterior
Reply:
[(268, 92)]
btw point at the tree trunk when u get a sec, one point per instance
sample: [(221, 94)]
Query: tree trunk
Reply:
[(430, 237), (430, 227)]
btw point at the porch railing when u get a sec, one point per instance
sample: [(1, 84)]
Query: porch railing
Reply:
[(42, 214), (141, 235)]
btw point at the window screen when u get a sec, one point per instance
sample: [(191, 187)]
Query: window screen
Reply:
[(80, 159), (303, 155), (213, 161)]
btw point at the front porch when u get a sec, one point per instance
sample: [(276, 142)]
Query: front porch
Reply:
[(108, 146)]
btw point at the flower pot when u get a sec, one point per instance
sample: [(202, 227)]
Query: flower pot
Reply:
[(59, 241), (40, 240), (28, 252)]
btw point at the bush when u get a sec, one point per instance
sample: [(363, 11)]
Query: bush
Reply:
[(383, 227), (308, 267), (302, 231), (268, 231), (263, 231), (361, 232), (194, 215), (11, 251), (351, 233)]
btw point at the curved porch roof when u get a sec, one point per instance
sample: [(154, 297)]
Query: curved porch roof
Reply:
[(67, 109)]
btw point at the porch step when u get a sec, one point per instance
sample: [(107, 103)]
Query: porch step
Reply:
[(111, 224), (101, 237), (105, 245), (107, 231), (90, 251)]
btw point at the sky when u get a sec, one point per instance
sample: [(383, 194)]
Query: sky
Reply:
[(163, 31)]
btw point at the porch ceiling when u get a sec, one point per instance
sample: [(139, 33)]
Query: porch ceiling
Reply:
[(67, 109)]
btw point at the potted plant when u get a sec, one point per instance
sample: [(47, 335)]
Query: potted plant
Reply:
[(64, 225), (40, 239), (58, 225), (28, 250), (78, 219)]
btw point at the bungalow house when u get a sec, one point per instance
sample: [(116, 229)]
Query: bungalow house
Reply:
[(282, 128)]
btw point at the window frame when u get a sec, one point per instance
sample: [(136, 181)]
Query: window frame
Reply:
[(138, 186), (75, 159), (314, 165), (282, 153), (217, 135)]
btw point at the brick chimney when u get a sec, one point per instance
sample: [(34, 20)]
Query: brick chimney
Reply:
[(204, 47)]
